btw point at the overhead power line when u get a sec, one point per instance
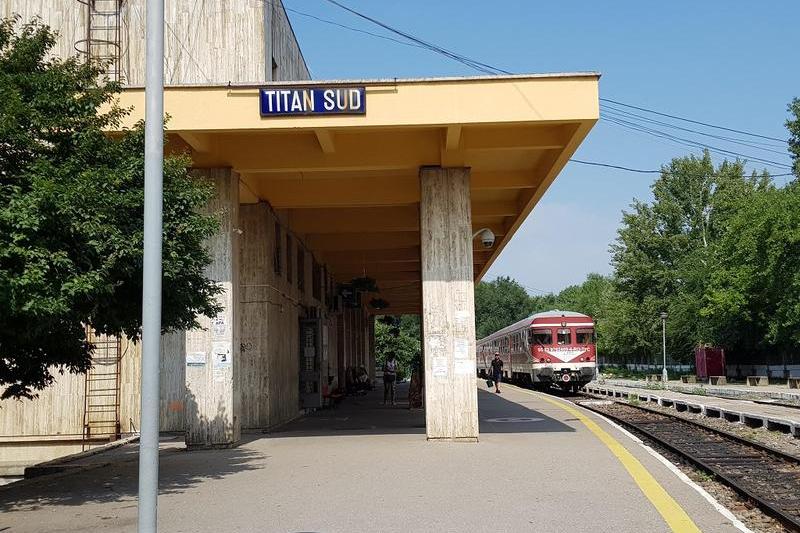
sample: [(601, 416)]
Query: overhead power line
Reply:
[(628, 119), (472, 63), (706, 124), (649, 171)]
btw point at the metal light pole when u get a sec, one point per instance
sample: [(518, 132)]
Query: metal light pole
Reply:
[(151, 288), (664, 375)]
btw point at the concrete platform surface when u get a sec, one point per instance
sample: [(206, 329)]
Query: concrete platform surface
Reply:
[(774, 417), (366, 467), (730, 390)]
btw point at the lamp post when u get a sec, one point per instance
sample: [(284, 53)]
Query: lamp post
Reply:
[(151, 282), (664, 375)]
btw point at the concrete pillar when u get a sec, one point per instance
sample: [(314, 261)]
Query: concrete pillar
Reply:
[(255, 298), (371, 351), (212, 351), (448, 307)]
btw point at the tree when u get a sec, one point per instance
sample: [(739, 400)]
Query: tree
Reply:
[(665, 251), (793, 125), (71, 217), (401, 336), (499, 303)]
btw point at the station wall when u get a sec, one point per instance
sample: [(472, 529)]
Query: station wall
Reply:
[(205, 41)]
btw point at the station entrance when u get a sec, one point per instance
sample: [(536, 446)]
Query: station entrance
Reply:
[(341, 201)]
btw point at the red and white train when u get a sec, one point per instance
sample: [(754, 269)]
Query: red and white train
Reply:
[(549, 348)]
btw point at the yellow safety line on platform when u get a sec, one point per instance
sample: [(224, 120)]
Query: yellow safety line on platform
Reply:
[(673, 514)]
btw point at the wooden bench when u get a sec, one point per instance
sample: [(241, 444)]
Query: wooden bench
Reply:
[(794, 383), (689, 379), (717, 380), (653, 377), (757, 381)]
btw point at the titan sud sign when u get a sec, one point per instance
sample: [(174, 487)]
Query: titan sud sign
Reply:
[(282, 101)]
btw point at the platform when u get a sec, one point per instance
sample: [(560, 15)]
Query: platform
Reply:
[(773, 417), (366, 467), (780, 393)]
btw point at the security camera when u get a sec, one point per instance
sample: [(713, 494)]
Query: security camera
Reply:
[(487, 237)]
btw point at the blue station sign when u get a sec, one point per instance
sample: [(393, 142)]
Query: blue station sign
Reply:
[(279, 101)]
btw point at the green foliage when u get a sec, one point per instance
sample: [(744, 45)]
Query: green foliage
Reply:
[(401, 336), (667, 251), (71, 216), (499, 303), (793, 125)]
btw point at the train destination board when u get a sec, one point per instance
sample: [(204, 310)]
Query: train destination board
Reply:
[(281, 101)]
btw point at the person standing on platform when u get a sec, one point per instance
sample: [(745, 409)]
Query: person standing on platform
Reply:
[(497, 371), (389, 378)]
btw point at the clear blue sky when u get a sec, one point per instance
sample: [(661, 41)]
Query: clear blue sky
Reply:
[(727, 62)]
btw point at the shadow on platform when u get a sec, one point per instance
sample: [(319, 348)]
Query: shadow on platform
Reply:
[(366, 415)]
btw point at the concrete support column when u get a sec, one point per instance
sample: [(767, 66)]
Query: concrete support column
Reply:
[(371, 350), (448, 306), (255, 316), (212, 351)]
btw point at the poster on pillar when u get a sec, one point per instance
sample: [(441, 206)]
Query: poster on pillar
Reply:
[(222, 358)]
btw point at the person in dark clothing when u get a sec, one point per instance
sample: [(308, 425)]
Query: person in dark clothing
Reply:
[(389, 378), (497, 371)]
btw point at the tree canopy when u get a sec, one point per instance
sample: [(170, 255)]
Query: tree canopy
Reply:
[(716, 249), (71, 216)]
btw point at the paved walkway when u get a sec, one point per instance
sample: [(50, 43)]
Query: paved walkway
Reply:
[(731, 390), (776, 417), (366, 467)]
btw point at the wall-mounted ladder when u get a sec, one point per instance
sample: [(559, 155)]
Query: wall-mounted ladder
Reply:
[(103, 41), (102, 390)]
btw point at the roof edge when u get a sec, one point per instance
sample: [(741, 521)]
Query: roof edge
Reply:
[(385, 81)]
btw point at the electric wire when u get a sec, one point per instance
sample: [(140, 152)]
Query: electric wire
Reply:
[(654, 171), (692, 143), (633, 118), (706, 124)]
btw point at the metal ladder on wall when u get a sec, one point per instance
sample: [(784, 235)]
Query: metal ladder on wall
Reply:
[(102, 390), (103, 35)]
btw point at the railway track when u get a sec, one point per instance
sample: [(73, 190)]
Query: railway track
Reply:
[(769, 477)]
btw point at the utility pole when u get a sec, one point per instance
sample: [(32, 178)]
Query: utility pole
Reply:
[(151, 272), (664, 375)]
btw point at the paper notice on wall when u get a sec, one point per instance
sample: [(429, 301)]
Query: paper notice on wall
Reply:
[(439, 367), (461, 348), (434, 342), (461, 319), (464, 366), (218, 326), (196, 359), (222, 356)]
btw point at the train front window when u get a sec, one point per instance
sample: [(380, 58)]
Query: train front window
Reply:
[(584, 336), (540, 336), (564, 336)]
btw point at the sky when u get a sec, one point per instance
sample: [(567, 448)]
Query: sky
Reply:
[(727, 62)]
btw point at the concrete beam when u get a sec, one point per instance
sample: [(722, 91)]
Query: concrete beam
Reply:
[(361, 241)]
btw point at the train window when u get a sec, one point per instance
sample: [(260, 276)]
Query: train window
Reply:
[(564, 336), (584, 336), (540, 336)]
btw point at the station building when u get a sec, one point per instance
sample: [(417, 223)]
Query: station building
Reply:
[(320, 185)]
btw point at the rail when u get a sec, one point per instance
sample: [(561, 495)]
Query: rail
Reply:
[(769, 477)]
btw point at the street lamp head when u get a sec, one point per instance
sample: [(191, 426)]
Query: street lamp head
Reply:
[(663, 315)]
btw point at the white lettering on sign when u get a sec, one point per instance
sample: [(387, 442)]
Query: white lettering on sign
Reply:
[(299, 101), (565, 354)]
